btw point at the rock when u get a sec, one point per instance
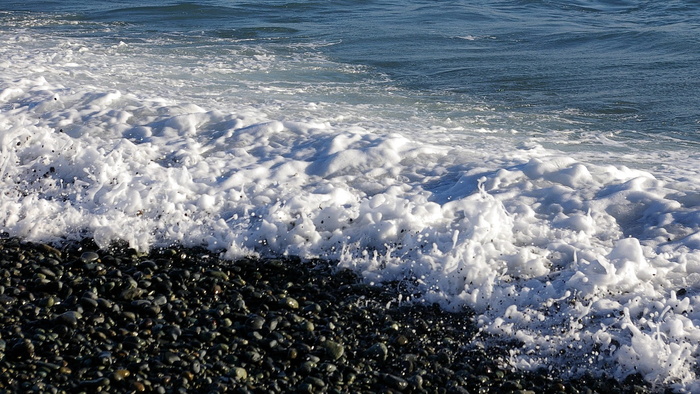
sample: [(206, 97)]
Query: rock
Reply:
[(89, 257), (121, 374), (290, 303), (378, 351), (21, 350), (395, 382), (334, 349), (239, 373), (69, 318)]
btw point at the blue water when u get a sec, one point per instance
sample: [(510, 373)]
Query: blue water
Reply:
[(622, 68)]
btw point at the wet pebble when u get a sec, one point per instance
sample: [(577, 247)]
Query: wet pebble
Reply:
[(395, 382), (334, 349), (239, 373), (69, 318), (255, 322), (89, 257), (378, 351)]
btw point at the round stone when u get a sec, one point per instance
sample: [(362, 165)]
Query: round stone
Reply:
[(121, 374), (395, 382), (334, 349), (378, 351), (255, 322), (290, 302), (89, 257), (239, 373)]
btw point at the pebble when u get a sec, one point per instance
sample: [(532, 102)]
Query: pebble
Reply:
[(378, 351), (23, 349), (334, 349), (255, 322), (89, 257), (239, 373), (121, 374), (69, 318), (182, 320), (395, 382), (290, 303)]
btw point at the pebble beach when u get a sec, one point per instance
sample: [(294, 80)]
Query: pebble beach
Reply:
[(79, 319)]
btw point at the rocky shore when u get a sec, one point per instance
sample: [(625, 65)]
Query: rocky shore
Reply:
[(80, 319)]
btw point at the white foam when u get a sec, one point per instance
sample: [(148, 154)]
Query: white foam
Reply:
[(590, 264)]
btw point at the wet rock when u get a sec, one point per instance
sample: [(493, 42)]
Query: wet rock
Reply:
[(239, 373), (290, 303), (120, 374), (21, 350), (69, 318), (170, 358), (395, 382), (89, 257), (334, 349), (255, 322), (378, 351)]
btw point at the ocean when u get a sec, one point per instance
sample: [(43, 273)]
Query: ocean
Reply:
[(533, 161)]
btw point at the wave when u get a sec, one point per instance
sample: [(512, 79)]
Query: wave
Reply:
[(578, 261)]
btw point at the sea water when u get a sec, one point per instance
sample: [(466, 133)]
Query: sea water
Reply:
[(534, 161)]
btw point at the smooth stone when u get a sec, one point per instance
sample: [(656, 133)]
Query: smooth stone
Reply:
[(395, 382), (307, 366), (290, 302), (401, 340), (317, 382), (47, 302), (173, 332), (105, 358), (239, 373), (170, 358), (416, 382), (378, 351), (51, 249), (121, 374), (254, 356), (88, 303), (99, 382), (334, 349), (219, 275), (129, 315), (307, 326), (48, 366), (313, 308), (255, 322), (305, 388), (69, 318), (104, 303), (160, 300), (89, 257), (47, 272), (131, 293)]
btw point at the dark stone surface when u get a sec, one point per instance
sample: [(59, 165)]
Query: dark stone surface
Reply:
[(80, 319)]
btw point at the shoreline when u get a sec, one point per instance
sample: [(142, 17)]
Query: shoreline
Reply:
[(81, 319)]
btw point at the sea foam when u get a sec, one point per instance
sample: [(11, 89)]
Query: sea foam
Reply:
[(577, 264)]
